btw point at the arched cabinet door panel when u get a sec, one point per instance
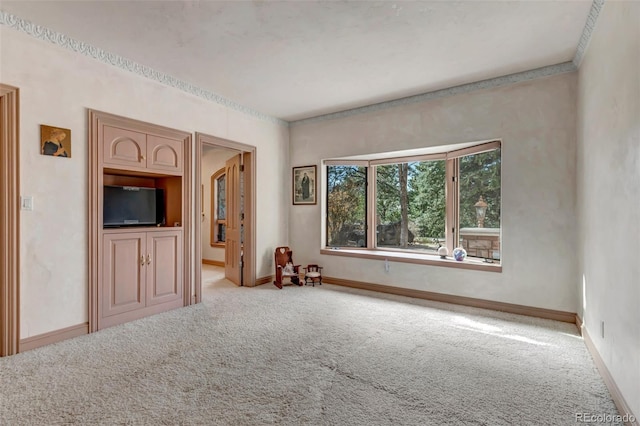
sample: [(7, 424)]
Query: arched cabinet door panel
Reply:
[(129, 150), (124, 148), (164, 154)]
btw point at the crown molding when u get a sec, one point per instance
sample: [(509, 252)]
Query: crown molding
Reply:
[(562, 68), (66, 42), (587, 31)]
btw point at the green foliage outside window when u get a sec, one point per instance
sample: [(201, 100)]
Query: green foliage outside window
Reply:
[(480, 176), (428, 201), (346, 206), (422, 185)]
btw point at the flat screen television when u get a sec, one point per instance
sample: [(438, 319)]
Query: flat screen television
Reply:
[(132, 206)]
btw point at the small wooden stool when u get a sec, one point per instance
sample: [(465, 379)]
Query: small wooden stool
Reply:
[(313, 274)]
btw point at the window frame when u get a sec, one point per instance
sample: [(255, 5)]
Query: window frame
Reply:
[(215, 221), (451, 155), (367, 197)]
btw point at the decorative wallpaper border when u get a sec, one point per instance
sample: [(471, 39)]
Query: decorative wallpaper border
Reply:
[(86, 49), (587, 31), (564, 67), (101, 55)]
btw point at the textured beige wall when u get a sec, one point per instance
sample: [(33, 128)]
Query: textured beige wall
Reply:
[(536, 122), (609, 193), (56, 88)]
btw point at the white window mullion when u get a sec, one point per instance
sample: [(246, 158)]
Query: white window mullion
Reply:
[(451, 196), (372, 225), (456, 203)]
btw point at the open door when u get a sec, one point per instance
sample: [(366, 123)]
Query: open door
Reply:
[(233, 244)]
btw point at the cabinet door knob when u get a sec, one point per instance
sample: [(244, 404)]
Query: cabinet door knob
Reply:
[(148, 259), (142, 260), (142, 157)]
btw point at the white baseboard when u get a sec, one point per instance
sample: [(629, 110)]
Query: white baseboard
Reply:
[(563, 316), (616, 395), (53, 337)]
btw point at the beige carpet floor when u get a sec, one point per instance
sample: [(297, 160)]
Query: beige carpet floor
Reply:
[(323, 355)]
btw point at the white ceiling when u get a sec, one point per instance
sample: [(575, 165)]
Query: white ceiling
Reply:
[(298, 59)]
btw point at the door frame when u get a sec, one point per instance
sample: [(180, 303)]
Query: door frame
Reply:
[(9, 220), (249, 160)]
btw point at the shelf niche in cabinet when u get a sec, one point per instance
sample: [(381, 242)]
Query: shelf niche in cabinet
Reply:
[(172, 186), (172, 191)]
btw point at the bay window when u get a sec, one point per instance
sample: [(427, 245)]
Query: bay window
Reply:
[(414, 204)]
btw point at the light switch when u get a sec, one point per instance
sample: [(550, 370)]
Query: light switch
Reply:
[(26, 203)]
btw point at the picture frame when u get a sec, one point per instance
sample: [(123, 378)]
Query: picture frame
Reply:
[(305, 185), (55, 141)]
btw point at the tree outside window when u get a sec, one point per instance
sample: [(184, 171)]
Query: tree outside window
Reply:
[(346, 206)]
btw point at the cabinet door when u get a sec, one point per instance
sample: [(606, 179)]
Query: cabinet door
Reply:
[(124, 149), (124, 273), (164, 154), (164, 267)]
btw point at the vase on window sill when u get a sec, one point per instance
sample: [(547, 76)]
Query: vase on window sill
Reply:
[(459, 254)]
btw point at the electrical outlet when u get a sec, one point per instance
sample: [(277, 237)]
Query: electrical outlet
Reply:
[(386, 265), (26, 203)]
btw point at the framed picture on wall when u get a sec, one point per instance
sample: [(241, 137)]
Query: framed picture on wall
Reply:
[(305, 185), (55, 141)]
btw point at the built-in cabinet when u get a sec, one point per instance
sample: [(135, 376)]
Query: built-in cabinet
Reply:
[(142, 271), (138, 271)]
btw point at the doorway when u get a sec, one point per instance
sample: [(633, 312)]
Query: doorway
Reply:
[(9, 221), (225, 226)]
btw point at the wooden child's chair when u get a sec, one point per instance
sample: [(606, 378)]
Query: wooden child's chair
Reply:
[(313, 273), (286, 271)]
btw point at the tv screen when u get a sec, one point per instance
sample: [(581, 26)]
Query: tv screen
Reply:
[(132, 206)]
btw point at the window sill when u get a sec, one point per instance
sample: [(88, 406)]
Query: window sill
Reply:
[(222, 245), (420, 259)]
